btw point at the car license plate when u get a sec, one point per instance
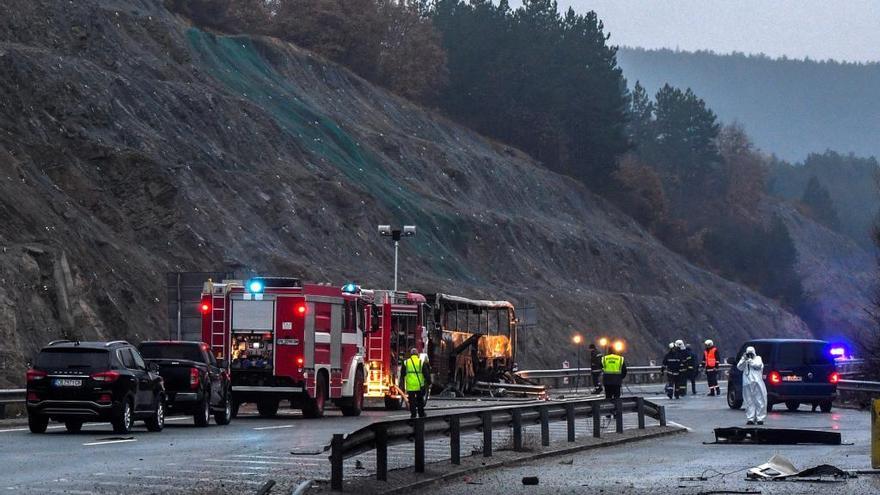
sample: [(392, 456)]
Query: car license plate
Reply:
[(67, 382), (792, 378)]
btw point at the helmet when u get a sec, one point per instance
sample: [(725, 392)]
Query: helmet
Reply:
[(708, 343), (672, 345), (679, 343)]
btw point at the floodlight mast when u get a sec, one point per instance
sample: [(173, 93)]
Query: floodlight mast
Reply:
[(395, 235)]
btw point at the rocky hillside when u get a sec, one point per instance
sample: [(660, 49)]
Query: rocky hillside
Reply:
[(132, 144)]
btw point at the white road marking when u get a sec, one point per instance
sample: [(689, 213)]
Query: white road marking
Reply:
[(274, 427), (110, 441), (673, 423), (248, 462), (288, 458), (14, 429)]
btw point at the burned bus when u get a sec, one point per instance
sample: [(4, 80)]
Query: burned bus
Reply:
[(470, 341)]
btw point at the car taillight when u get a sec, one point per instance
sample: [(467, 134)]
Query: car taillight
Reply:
[(105, 398), (834, 378), (193, 378), (774, 377), (33, 397), (35, 375), (106, 376)]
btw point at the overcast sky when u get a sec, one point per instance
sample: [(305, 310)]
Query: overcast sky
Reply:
[(827, 29)]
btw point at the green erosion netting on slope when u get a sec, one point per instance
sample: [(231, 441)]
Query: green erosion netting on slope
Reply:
[(236, 63)]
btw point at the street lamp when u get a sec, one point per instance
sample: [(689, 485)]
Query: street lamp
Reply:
[(577, 378), (395, 235)]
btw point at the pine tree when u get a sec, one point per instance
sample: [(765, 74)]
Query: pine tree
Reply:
[(819, 204)]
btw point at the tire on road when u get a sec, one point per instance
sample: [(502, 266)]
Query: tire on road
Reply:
[(792, 405), (123, 416), (268, 408), (224, 416), (202, 413), (314, 408), (355, 405), (825, 406), (38, 423), (73, 425), (157, 421)]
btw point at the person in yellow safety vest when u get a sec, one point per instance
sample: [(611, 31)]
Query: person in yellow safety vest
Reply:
[(613, 373), (416, 377)]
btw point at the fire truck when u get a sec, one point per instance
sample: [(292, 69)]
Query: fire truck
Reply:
[(396, 325), (285, 340)]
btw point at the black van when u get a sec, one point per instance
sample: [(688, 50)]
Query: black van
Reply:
[(796, 372)]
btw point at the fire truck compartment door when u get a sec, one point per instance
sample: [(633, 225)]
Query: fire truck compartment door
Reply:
[(253, 315), (336, 336), (309, 336)]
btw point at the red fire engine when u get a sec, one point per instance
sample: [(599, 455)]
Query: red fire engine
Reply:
[(285, 340), (397, 324)]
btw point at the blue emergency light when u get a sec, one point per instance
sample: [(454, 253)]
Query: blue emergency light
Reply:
[(350, 288), (255, 286)]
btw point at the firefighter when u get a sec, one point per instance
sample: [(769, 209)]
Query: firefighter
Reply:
[(693, 369), (415, 375), (687, 366), (596, 368), (710, 363), (672, 368), (613, 373)]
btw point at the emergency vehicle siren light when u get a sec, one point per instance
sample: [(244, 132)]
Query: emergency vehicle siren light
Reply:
[(255, 286), (205, 308), (838, 351), (351, 288), (618, 346)]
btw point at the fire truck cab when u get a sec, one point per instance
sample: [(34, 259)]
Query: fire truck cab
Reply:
[(286, 340), (396, 325)]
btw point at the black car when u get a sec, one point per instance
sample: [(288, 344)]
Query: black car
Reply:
[(195, 382), (79, 382), (795, 372)]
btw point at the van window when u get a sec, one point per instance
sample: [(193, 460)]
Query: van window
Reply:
[(803, 353)]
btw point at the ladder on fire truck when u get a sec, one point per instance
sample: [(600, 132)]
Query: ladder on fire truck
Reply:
[(218, 320)]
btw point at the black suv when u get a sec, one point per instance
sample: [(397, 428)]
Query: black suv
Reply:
[(795, 372), (78, 382)]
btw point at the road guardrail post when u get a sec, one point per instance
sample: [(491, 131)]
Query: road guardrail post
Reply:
[(419, 430), (487, 433), (517, 431), (618, 414), (662, 410), (455, 440), (545, 427), (596, 409), (569, 417), (381, 453), (640, 411), (336, 462)]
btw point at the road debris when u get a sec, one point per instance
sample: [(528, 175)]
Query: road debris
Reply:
[(774, 436), (780, 468), (530, 480)]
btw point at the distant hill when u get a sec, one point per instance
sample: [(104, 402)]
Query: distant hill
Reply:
[(789, 107)]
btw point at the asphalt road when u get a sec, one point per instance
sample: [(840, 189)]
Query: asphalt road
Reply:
[(240, 457), (659, 466), (237, 458)]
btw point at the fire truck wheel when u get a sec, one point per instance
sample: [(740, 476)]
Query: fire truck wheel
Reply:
[(393, 403), (355, 405), (315, 407), (268, 408)]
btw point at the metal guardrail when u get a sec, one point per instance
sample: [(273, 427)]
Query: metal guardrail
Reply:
[(858, 386), (378, 436), (12, 396)]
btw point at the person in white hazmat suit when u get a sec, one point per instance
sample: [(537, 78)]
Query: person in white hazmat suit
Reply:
[(753, 389)]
